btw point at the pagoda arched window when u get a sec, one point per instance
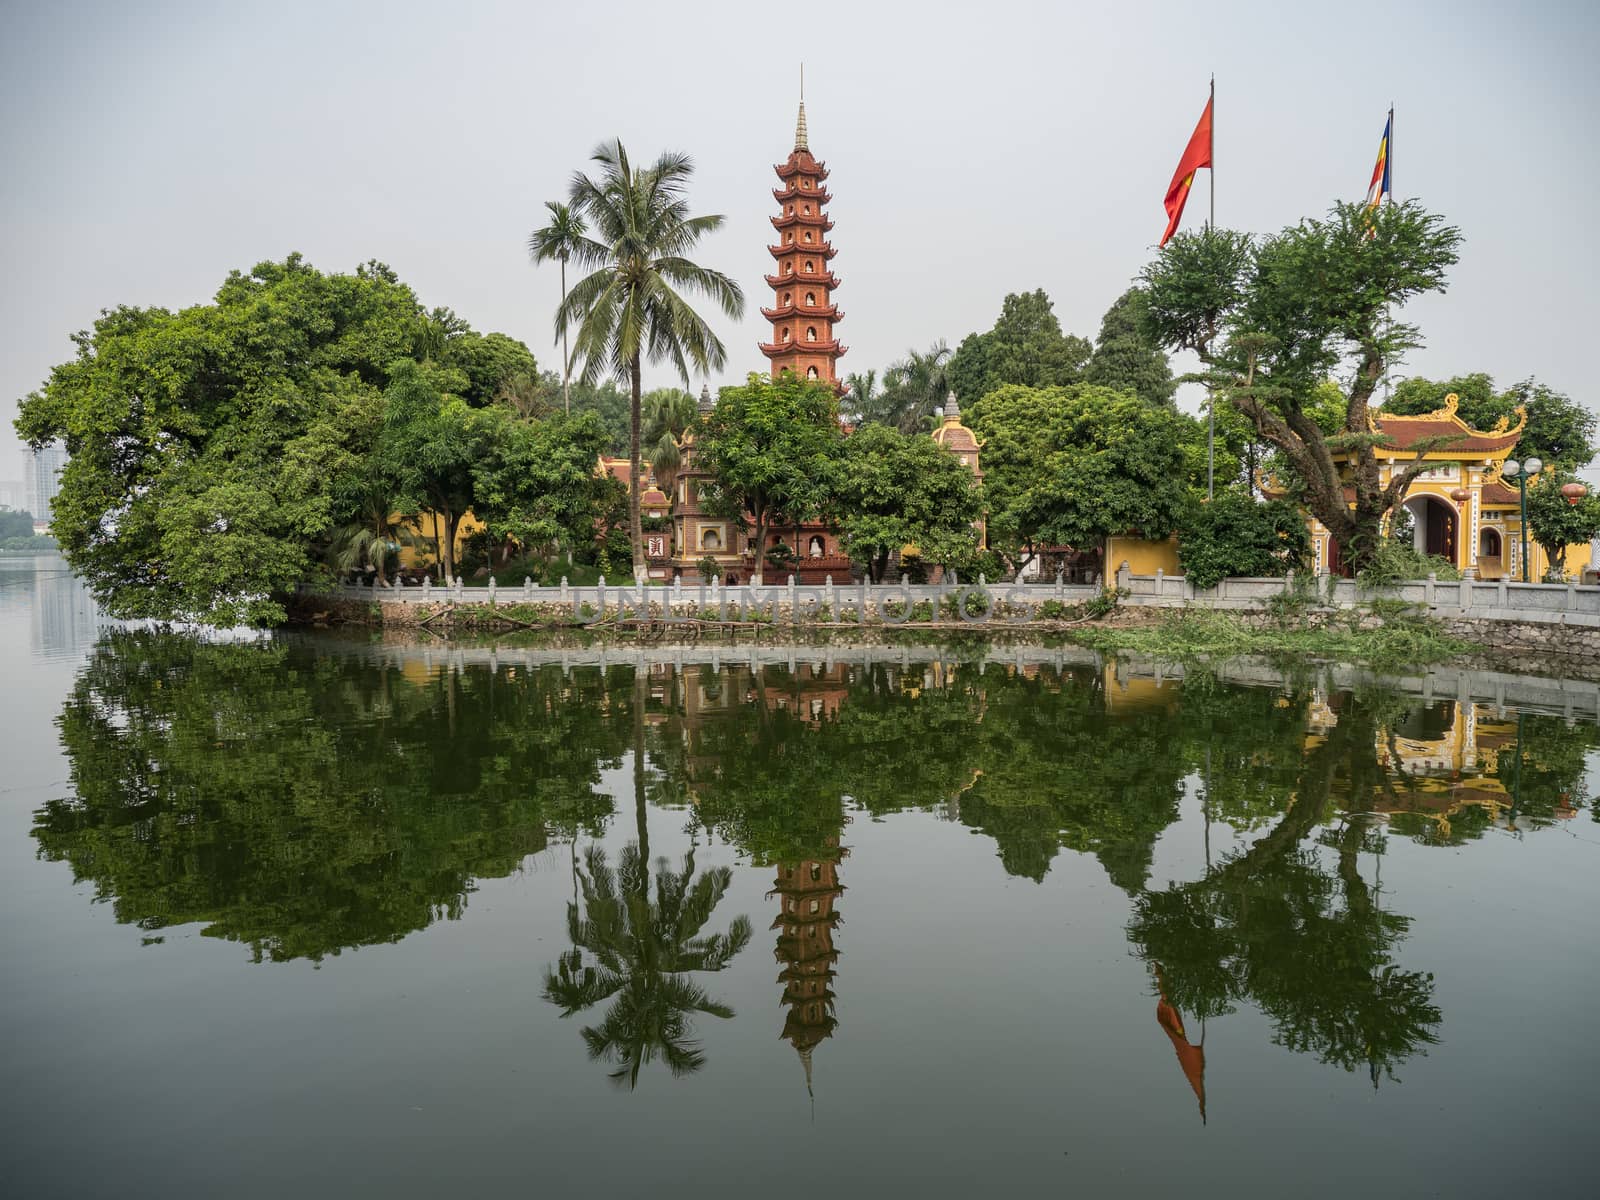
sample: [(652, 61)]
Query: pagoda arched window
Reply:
[(811, 372), (805, 183), (805, 208), (788, 268), (791, 210), (810, 266), (788, 239), (808, 237), (786, 335), (788, 297), (811, 333), (811, 299)]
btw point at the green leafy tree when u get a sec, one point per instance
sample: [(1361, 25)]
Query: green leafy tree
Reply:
[(1318, 297), (894, 489), (491, 362), (15, 523), (1555, 523), (632, 306), (1560, 431), (1234, 535), (1072, 466), (772, 447), (208, 445), (1026, 347), (432, 444), (537, 484), (559, 240), (1126, 357)]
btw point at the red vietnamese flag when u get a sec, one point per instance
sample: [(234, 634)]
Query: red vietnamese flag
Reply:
[(1196, 155)]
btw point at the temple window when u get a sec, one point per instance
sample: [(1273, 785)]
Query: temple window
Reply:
[(808, 236), (811, 372), (791, 210), (805, 209), (816, 872), (811, 299), (811, 333), (786, 335), (788, 268), (711, 540), (815, 906), (810, 266), (788, 239), (817, 547), (788, 297)]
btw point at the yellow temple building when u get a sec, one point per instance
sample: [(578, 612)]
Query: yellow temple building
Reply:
[(1462, 508)]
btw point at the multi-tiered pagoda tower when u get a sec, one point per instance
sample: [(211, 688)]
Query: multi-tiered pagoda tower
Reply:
[(805, 924), (803, 313)]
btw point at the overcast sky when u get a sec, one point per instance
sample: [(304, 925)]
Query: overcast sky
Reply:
[(976, 149)]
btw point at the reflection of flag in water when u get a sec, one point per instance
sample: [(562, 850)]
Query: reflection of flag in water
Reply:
[(1380, 185), (1191, 1058)]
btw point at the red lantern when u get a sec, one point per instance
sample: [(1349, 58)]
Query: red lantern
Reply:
[(1574, 492), (1460, 495)]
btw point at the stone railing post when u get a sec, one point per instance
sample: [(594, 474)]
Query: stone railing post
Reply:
[(1161, 579), (566, 594), (600, 586), (1428, 587), (791, 597), (1572, 597), (827, 594), (1061, 583), (460, 586), (491, 592), (1466, 595), (1503, 594), (427, 587), (1124, 576), (527, 588)]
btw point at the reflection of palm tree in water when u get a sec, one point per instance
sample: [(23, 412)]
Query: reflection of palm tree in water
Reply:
[(638, 953)]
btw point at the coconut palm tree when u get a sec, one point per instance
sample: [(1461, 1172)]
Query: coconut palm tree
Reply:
[(632, 306), (558, 240), (915, 386), (668, 415)]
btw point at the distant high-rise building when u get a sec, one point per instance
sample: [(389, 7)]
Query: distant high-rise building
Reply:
[(44, 478), (13, 494)]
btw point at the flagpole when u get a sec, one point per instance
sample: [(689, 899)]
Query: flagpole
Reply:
[(1211, 400)]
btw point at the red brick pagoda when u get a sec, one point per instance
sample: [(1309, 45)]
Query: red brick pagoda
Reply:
[(803, 313)]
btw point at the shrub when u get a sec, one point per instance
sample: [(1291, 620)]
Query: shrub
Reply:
[(1395, 562), (1234, 535)]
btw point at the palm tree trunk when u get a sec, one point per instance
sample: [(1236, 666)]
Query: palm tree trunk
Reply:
[(566, 355), (640, 813), (636, 531)]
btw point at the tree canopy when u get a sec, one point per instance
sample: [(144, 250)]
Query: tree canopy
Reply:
[(1554, 522), (1026, 347), (1072, 466), (771, 446), (1126, 356), (893, 489), (1273, 319)]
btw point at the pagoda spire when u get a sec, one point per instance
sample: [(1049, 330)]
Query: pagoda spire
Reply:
[(803, 313)]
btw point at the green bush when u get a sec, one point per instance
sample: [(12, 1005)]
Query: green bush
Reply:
[(1396, 562), (1234, 535)]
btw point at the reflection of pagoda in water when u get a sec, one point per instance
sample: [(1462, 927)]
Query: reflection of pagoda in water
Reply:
[(805, 922)]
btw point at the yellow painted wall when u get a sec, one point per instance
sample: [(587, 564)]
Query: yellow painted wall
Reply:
[(423, 526), (1143, 557)]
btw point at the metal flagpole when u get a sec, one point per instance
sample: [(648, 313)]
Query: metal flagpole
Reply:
[(1211, 399)]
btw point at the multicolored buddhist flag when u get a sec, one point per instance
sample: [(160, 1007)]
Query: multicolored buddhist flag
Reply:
[(1380, 185), (1196, 154)]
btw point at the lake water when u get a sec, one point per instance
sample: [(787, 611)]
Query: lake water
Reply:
[(312, 916)]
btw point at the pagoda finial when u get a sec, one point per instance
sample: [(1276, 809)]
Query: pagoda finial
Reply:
[(800, 140), (952, 408), (706, 404)]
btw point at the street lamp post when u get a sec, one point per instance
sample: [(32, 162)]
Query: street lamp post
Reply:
[(1520, 472)]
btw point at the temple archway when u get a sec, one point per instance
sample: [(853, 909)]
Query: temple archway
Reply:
[(1435, 526)]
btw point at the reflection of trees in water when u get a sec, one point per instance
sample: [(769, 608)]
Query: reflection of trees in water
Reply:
[(637, 949), (303, 802)]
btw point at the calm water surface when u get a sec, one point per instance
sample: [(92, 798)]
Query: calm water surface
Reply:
[(307, 916)]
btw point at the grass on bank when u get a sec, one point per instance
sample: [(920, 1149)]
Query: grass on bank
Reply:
[(1192, 634)]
